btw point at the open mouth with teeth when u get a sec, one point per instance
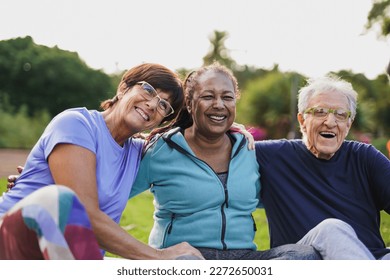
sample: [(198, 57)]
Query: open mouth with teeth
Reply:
[(328, 135), (217, 118), (142, 113)]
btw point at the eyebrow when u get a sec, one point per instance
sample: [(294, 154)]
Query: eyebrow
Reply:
[(214, 91)]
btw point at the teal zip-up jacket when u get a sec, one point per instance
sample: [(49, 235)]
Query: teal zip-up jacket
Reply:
[(191, 203)]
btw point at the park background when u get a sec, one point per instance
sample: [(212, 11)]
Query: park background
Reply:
[(60, 54)]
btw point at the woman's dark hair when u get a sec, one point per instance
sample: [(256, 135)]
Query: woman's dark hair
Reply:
[(191, 84), (159, 77)]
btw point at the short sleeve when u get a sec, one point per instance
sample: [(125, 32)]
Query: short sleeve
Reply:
[(70, 127)]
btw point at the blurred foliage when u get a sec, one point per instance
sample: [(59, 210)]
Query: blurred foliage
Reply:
[(379, 15), (37, 82), (218, 51), (269, 102), (18, 130), (41, 77), (380, 144), (266, 102), (268, 97), (373, 114)]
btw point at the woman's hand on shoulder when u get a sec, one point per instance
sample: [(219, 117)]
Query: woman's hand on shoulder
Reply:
[(249, 137)]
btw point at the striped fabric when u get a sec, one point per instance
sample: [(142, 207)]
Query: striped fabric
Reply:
[(51, 223)]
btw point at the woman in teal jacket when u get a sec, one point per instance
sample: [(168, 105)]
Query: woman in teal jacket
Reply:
[(204, 179), (190, 196)]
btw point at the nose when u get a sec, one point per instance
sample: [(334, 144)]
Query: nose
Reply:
[(330, 120), (218, 103), (153, 103)]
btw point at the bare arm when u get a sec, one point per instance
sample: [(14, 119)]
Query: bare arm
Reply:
[(75, 167)]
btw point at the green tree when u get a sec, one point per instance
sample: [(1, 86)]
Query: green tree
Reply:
[(382, 112), (269, 96), (51, 79), (266, 102), (247, 73), (379, 14), (364, 120), (18, 130), (373, 111), (218, 52)]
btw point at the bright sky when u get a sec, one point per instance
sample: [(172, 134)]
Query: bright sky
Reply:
[(311, 37)]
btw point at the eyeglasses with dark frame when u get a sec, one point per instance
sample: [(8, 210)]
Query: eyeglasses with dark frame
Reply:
[(321, 113), (149, 93)]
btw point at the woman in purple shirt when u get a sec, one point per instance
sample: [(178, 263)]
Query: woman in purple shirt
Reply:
[(94, 155)]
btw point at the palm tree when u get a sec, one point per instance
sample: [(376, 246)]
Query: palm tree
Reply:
[(218, 52)]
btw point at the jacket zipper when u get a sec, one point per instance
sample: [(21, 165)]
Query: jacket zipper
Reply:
[(226, 193), (223, 215), (169, 229), (171, 223)]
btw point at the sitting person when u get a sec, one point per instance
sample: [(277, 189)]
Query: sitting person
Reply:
[(93, 154), (322, 176), (207, 193)]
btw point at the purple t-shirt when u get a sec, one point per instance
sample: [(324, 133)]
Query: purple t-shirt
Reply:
[(116, 166)]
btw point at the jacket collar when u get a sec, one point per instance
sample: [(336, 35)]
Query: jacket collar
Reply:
[(175, 139)]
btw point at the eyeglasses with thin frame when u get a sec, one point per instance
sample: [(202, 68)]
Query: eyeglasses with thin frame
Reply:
[(149, 93), (321, 113)]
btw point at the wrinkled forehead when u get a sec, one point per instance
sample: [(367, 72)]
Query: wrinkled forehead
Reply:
[(329, 99)]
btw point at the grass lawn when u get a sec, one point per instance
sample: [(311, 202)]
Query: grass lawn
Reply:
[(137, 219)]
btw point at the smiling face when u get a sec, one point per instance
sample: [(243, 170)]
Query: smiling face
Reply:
[(137, 114), (213, 106), (324, 136)]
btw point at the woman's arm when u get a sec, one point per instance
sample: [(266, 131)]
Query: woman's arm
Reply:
[(75, 167)]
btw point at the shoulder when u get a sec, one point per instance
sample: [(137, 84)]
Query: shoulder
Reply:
[(268, 150), (240, 143), (76, 116), (277, 144), (235, 135), (76, 112), (360, 150), (366, 156), (73, 126), (136, 144), (150, 144), (159, 141), (357, 147)]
